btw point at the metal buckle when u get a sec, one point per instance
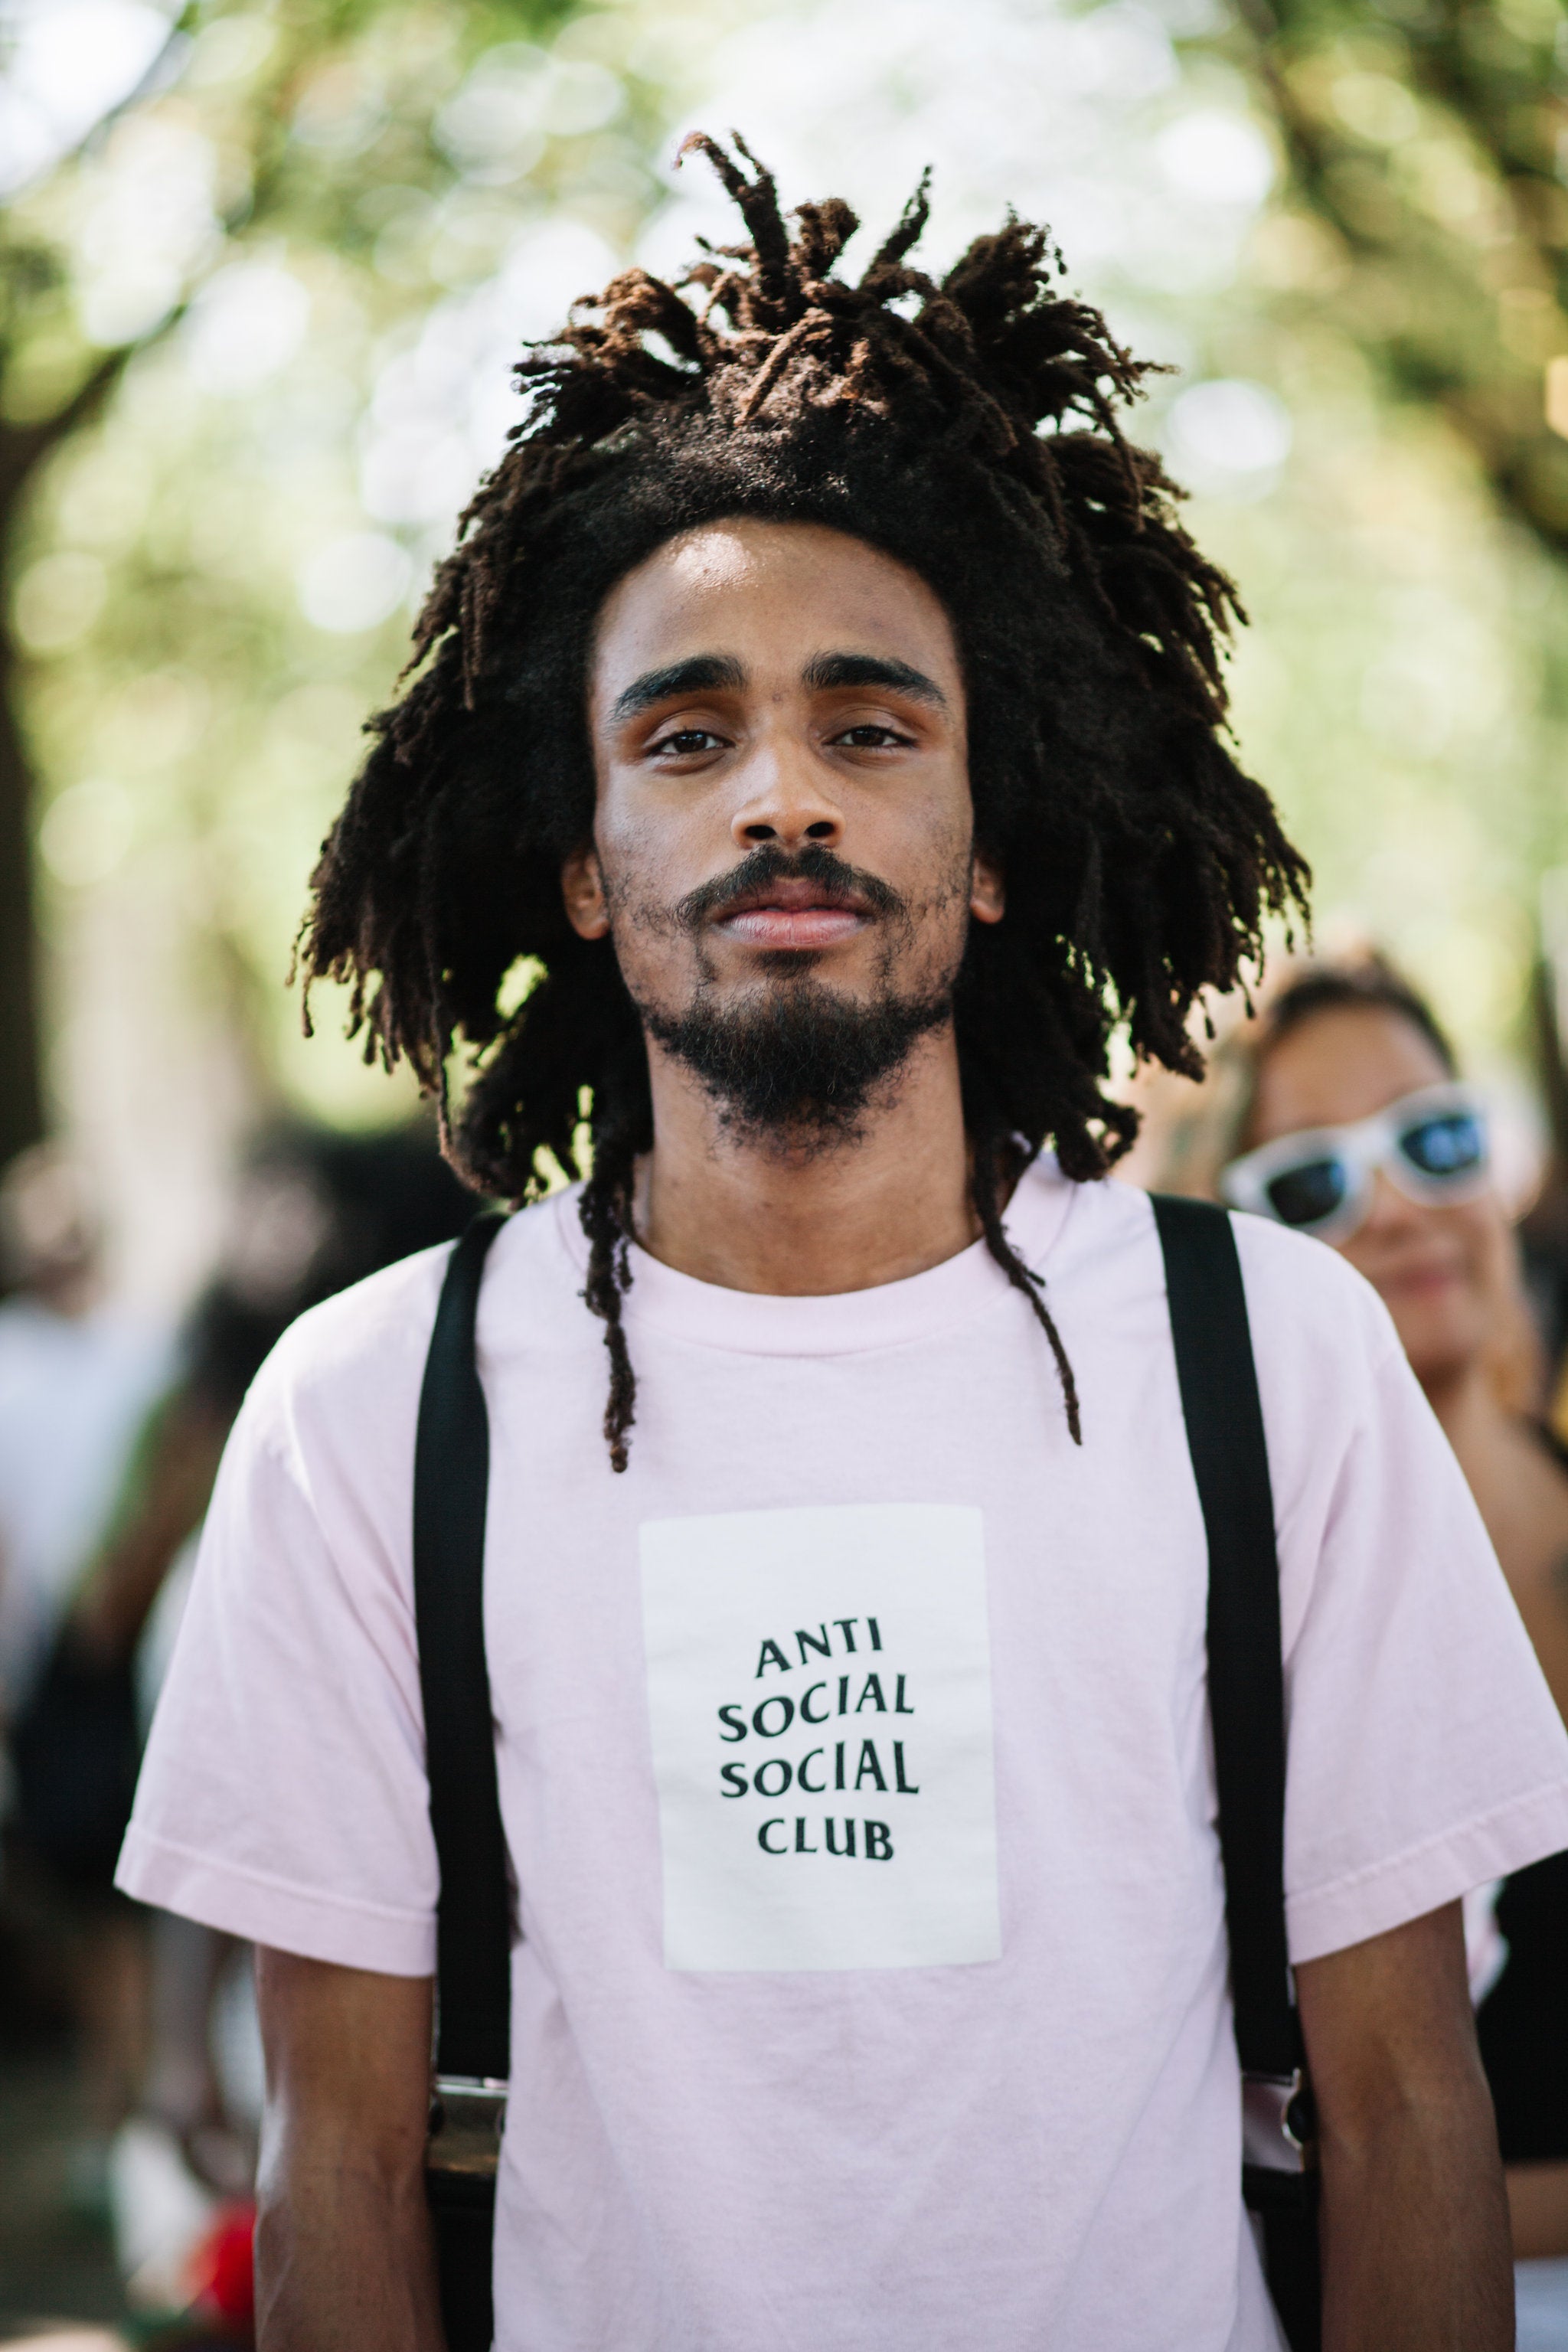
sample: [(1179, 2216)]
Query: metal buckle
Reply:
[(466, 2116), (1272, 2107)]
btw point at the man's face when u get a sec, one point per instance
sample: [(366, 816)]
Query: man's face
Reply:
[(783, 840)]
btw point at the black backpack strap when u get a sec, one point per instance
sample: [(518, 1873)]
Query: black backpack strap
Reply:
[(1246, 1678), (451, 1480), (1229, 1451)]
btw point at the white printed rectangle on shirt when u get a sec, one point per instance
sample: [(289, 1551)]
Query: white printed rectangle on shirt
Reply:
[(819, 1691)]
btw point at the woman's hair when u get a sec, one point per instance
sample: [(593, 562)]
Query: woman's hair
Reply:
[(968, 428), (1371, 984)]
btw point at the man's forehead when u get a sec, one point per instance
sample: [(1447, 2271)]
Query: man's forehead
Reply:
[(794, 569), (734, 547), (715, 555), (787, 601)]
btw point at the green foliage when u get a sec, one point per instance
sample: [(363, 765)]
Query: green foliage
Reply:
[(254, 350), (1405, 687), (1427, 141)]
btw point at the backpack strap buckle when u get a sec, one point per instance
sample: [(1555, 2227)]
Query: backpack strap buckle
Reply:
[(1277, 2134), (466, 2116)]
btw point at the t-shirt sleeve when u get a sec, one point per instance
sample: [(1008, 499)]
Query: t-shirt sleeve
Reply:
[(1425, 1754), (283, 1795)]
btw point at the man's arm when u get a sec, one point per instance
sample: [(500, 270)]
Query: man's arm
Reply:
[(1538, 2201), (343, 2253), (1416, 2226)]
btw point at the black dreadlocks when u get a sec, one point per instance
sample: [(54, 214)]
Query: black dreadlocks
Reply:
[(968, 429)]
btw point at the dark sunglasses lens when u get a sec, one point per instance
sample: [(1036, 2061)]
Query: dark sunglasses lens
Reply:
[(1454, 1145), (1307, 1194)]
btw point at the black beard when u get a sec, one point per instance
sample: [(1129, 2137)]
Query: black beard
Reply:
[(796, 1064), (798, 1067)]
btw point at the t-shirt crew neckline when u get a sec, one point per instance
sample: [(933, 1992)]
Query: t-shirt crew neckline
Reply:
[(850, 1322)]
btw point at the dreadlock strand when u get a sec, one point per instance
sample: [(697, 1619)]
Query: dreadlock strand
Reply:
[(826, 229), (910, 227), (605, 1211), (777, 273), (988, 1209), (778, 361), (758, 201)]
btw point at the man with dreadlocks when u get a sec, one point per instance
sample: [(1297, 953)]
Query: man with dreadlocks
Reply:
[(817, 754)]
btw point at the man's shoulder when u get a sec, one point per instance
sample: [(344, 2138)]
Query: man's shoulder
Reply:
[(1317, 1329), (1301, 1291), (1292, 1281), (369, 1342)]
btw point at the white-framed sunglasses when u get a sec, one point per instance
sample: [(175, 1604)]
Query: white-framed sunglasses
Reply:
[(1432, 1144)]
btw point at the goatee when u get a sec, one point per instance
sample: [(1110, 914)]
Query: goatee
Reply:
[(797, 1065)]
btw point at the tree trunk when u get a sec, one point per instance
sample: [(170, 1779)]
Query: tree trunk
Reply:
[(21, 1072), (22, 449)]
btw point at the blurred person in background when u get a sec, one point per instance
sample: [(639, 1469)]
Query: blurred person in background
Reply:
[(109, 1439), (1342, 1115), (1543, 1228), (313, 1212), (78, 1375)]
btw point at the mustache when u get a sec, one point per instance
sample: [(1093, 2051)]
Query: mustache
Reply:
[(712, 901)]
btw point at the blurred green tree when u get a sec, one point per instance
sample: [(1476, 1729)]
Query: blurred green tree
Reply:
[(1426, 212), (350, 162), (1428, 141)]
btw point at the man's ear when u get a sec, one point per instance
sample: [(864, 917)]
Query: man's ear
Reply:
[(987, 894), (583, 889)]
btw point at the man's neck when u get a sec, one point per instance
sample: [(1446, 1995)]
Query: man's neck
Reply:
[(749, 1215)]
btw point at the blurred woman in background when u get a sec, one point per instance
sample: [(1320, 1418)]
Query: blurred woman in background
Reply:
[(78, 1375), (172, 2147), (1347, 1120)]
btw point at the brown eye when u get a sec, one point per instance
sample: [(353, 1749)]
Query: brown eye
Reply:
[(688, 739), (869, 737)]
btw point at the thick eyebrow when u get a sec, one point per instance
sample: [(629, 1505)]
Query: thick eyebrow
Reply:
[(823, 670), (700, 674)]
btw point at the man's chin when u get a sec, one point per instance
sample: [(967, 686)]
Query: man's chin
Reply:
[(791, 964), (796, 1064), (805, 978)]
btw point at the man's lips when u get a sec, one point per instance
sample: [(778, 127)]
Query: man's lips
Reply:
[(792, 926), (788, 914)]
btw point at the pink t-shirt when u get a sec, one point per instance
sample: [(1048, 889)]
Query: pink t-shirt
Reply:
[(870, 1993)]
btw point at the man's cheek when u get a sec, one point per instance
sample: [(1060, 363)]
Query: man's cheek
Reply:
[(644, 875), (654, 954)]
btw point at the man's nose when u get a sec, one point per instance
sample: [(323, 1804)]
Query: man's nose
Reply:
[(785, 801)]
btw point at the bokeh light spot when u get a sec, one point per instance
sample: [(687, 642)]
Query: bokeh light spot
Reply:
[(85, 832), (1229, 437), (1220, 158), (245, 325), (354, 583), (57, 600)]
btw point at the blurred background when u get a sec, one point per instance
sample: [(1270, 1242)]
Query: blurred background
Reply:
[(263, 268)]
